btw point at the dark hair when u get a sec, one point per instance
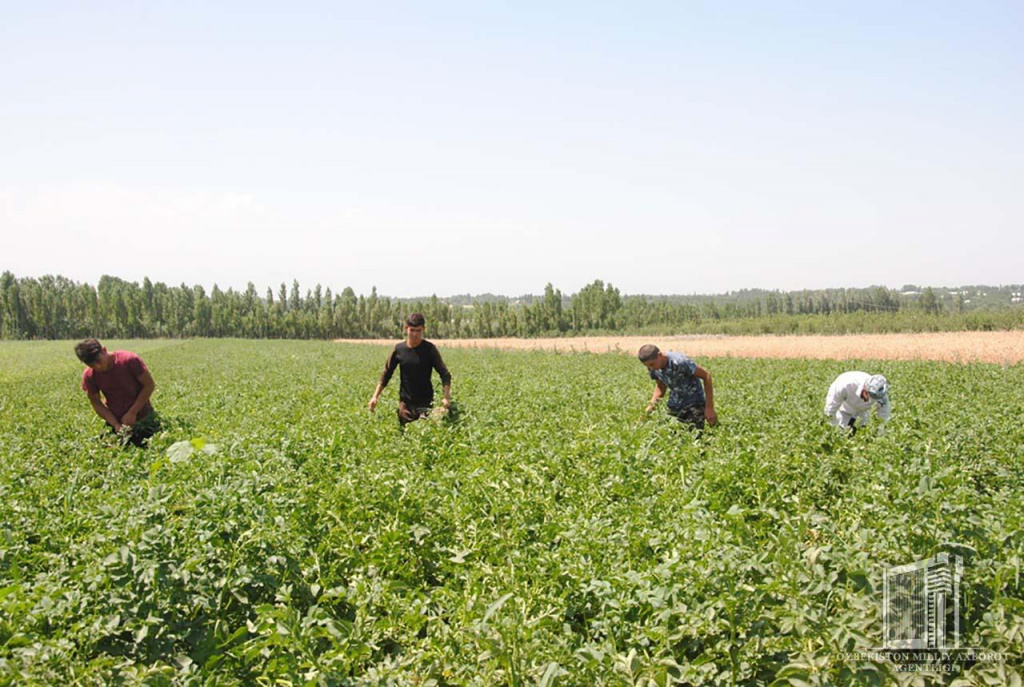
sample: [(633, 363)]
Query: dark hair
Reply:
[(648, 352), (88, 350), (415, 320)]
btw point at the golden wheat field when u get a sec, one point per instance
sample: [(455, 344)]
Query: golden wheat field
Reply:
[(989, 347)]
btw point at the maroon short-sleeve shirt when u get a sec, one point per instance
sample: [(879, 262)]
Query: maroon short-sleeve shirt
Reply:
[(120, 384)]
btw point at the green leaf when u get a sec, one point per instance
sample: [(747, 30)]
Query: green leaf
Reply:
[(180, 451), (495, 607), (550, 675)]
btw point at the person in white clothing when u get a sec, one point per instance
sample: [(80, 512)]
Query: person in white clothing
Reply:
[(851, 396)]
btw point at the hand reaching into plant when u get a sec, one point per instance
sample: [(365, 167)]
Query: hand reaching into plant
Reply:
[(124, 434)]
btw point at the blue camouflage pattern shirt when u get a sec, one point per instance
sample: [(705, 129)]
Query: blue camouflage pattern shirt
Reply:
[(685, 389)]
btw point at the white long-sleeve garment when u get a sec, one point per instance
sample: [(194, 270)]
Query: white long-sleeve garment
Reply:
[(844, 401)]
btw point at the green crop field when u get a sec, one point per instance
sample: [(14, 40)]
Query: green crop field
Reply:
[(543, 534)]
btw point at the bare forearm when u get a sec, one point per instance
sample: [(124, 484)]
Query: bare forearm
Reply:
[(709, 393), (142, 399), (655, 397), (376, 396), (104, 412), (447, 388)]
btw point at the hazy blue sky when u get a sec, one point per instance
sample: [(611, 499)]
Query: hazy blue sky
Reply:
[(445, 147)]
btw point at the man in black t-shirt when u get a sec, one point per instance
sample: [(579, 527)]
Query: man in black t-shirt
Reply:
[(417, 358)]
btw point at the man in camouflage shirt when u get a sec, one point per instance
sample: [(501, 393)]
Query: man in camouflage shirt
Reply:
[(689, 400)]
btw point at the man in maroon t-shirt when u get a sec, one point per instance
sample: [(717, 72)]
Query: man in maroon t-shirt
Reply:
[(126, 385)]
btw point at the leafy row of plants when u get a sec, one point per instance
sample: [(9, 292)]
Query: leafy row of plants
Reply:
[(544, 534)]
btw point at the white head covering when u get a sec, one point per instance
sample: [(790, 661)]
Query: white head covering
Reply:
[(878, 388)]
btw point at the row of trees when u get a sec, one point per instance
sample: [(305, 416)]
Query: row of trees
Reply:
[(53, 307)]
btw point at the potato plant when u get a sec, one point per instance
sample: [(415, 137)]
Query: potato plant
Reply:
[(544, 533)]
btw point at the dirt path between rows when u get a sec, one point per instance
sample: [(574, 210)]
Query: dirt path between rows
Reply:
[(989, 347)]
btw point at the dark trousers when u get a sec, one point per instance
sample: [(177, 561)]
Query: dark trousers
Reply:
[(410, 412), (693, 415)]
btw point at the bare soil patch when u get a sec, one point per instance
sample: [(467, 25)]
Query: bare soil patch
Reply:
[(989, 347)]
